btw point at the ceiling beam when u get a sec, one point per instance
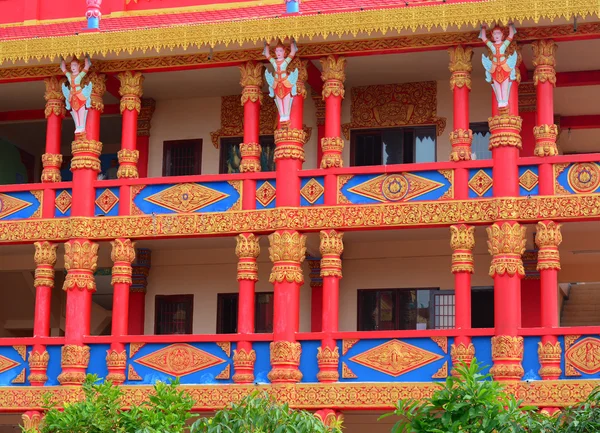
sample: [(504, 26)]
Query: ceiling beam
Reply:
[(590, 121)]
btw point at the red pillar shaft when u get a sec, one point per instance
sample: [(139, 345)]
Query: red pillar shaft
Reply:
[(286, 306), (41, 321), (549, 295), (333, 116), (137, 312), (462, 288), (507, 299), (461, 107), (331, 289), (246, 308), (129, 130)]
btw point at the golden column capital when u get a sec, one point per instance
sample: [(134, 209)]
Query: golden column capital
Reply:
[(505, 131), (55, 99), (122, 255), (548, 237), (251, 81), (331, 248), (130, 90), (506, 244), (247, 249), (460, 66), (544, 61), (45, 259), (287, 251), (462, 242), (81, 261), (98, 89), (333, 75)]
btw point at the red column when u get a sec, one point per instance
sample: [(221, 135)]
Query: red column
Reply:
[(462, 242), (52, 158), (544, 77), (333, 77), (131, 105), (244, 357), (143, 135), (316, 296), (122, 255), (548, 237), (506, 244), (461, 136), (81, 255), (137, 295), (251, 82), (328, 355), (287, 251), (320, 115), (45, 259)]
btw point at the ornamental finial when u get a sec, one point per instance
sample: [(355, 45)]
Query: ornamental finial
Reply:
[(93, 14)]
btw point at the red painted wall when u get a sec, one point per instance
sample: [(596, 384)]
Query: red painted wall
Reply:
[(530, 303)]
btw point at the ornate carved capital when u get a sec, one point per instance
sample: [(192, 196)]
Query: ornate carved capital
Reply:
[(55, 100), (98, 89), (130, 90), (285, 359), (289, 143), (81, 258), (51, 163), (460, 66), (505, 131), (332, 152), (115, 362), (38, 364), (333, 76), (549, 355), (85, 154), (507, 354), (461, 141), (45, 259), (506, 244), (331, 248), (461, 354), (31, 421), (462, 241), (123, 250), (248, 246), (328, 361), (548, 237), (243, 365), (144, 122), (544, 61), (74, 362), (545, 140), (251, 81), (287, 251), (250, 157)]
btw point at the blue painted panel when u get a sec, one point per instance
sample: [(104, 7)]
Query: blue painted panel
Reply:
[(472, 173), (259, 184), (115, 209), (25, 201), (262, 366), (205, 376), (420, 374), (308, 361), (7, 376), (321, 199), (57, 212), (97, 364), (54, 365), (483, 352), (582, 174), (220, 206), (535, 190), (591, 353), (432, 175), (531, 364)]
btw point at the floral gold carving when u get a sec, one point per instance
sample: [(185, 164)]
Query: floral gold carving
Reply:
[(395, 358), (506, 244), (461, 141), (128, 160), (548, 237), (528, 180), (462, 241), (544, 61), (186, 197), (584, 177), (287, 251), (333, 76), (265, 193), (391, 105), (584, 355), (251, 81), (505, 130), (179, 360), (545, 140), (442, 342), (331, 248), (507, 354), (74, 362), (98, 89), (225, 374), (347, 344), (144, 122), (460, 66), (81, 258), (130, 90), (243, 364), (332, 152), (132, 375), (550, 355), (45, 259), (247, 249), (55, 100), (63, 201), (225, 347), (569, 368), (285, 360), (442, 373), (107, 200), (250, 157), (135, 348), (481, 183), (51, 163), (116, 362), (461, 354), (347, 373), (31, 421), (312, 191), (328, 361)]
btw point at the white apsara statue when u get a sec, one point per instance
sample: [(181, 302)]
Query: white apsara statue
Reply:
[(77, 97), (282, 85), (500, 69)]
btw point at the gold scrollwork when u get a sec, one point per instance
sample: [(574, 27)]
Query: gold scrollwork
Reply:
[(506, 244), (505, 131), (461, 141), (544, 61), (545, 140), (460, 66), (285, 359), (130, 90), (462, 241), (548, 237)]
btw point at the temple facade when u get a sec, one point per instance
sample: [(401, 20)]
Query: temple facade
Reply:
[(337, 203)]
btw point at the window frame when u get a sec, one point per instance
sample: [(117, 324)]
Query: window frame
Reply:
[(168, 145), (404, 128), (220, 298), (162, 299), (359, 309)]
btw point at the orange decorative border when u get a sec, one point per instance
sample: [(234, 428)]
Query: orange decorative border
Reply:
[(381, 45), (547, 393), (387, 215)]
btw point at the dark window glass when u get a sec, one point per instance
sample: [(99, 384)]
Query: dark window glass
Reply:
[(182, 157), (227, 313), (395, 309), (393, 146), (231, 156), (173, 314)]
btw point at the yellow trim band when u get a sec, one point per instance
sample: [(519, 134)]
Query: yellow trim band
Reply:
[(298, 26)]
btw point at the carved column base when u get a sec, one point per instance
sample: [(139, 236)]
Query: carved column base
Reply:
[(75, 360), (545, 140), (461, 354), (51, 163), (285, 362), (505, 131), (461, 141), (549, 355), (250, 153), (507, 354), (38, 365), (128, 160), (85, 153), (243, 365), (116, 361), (289, 143), (328, 360)]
